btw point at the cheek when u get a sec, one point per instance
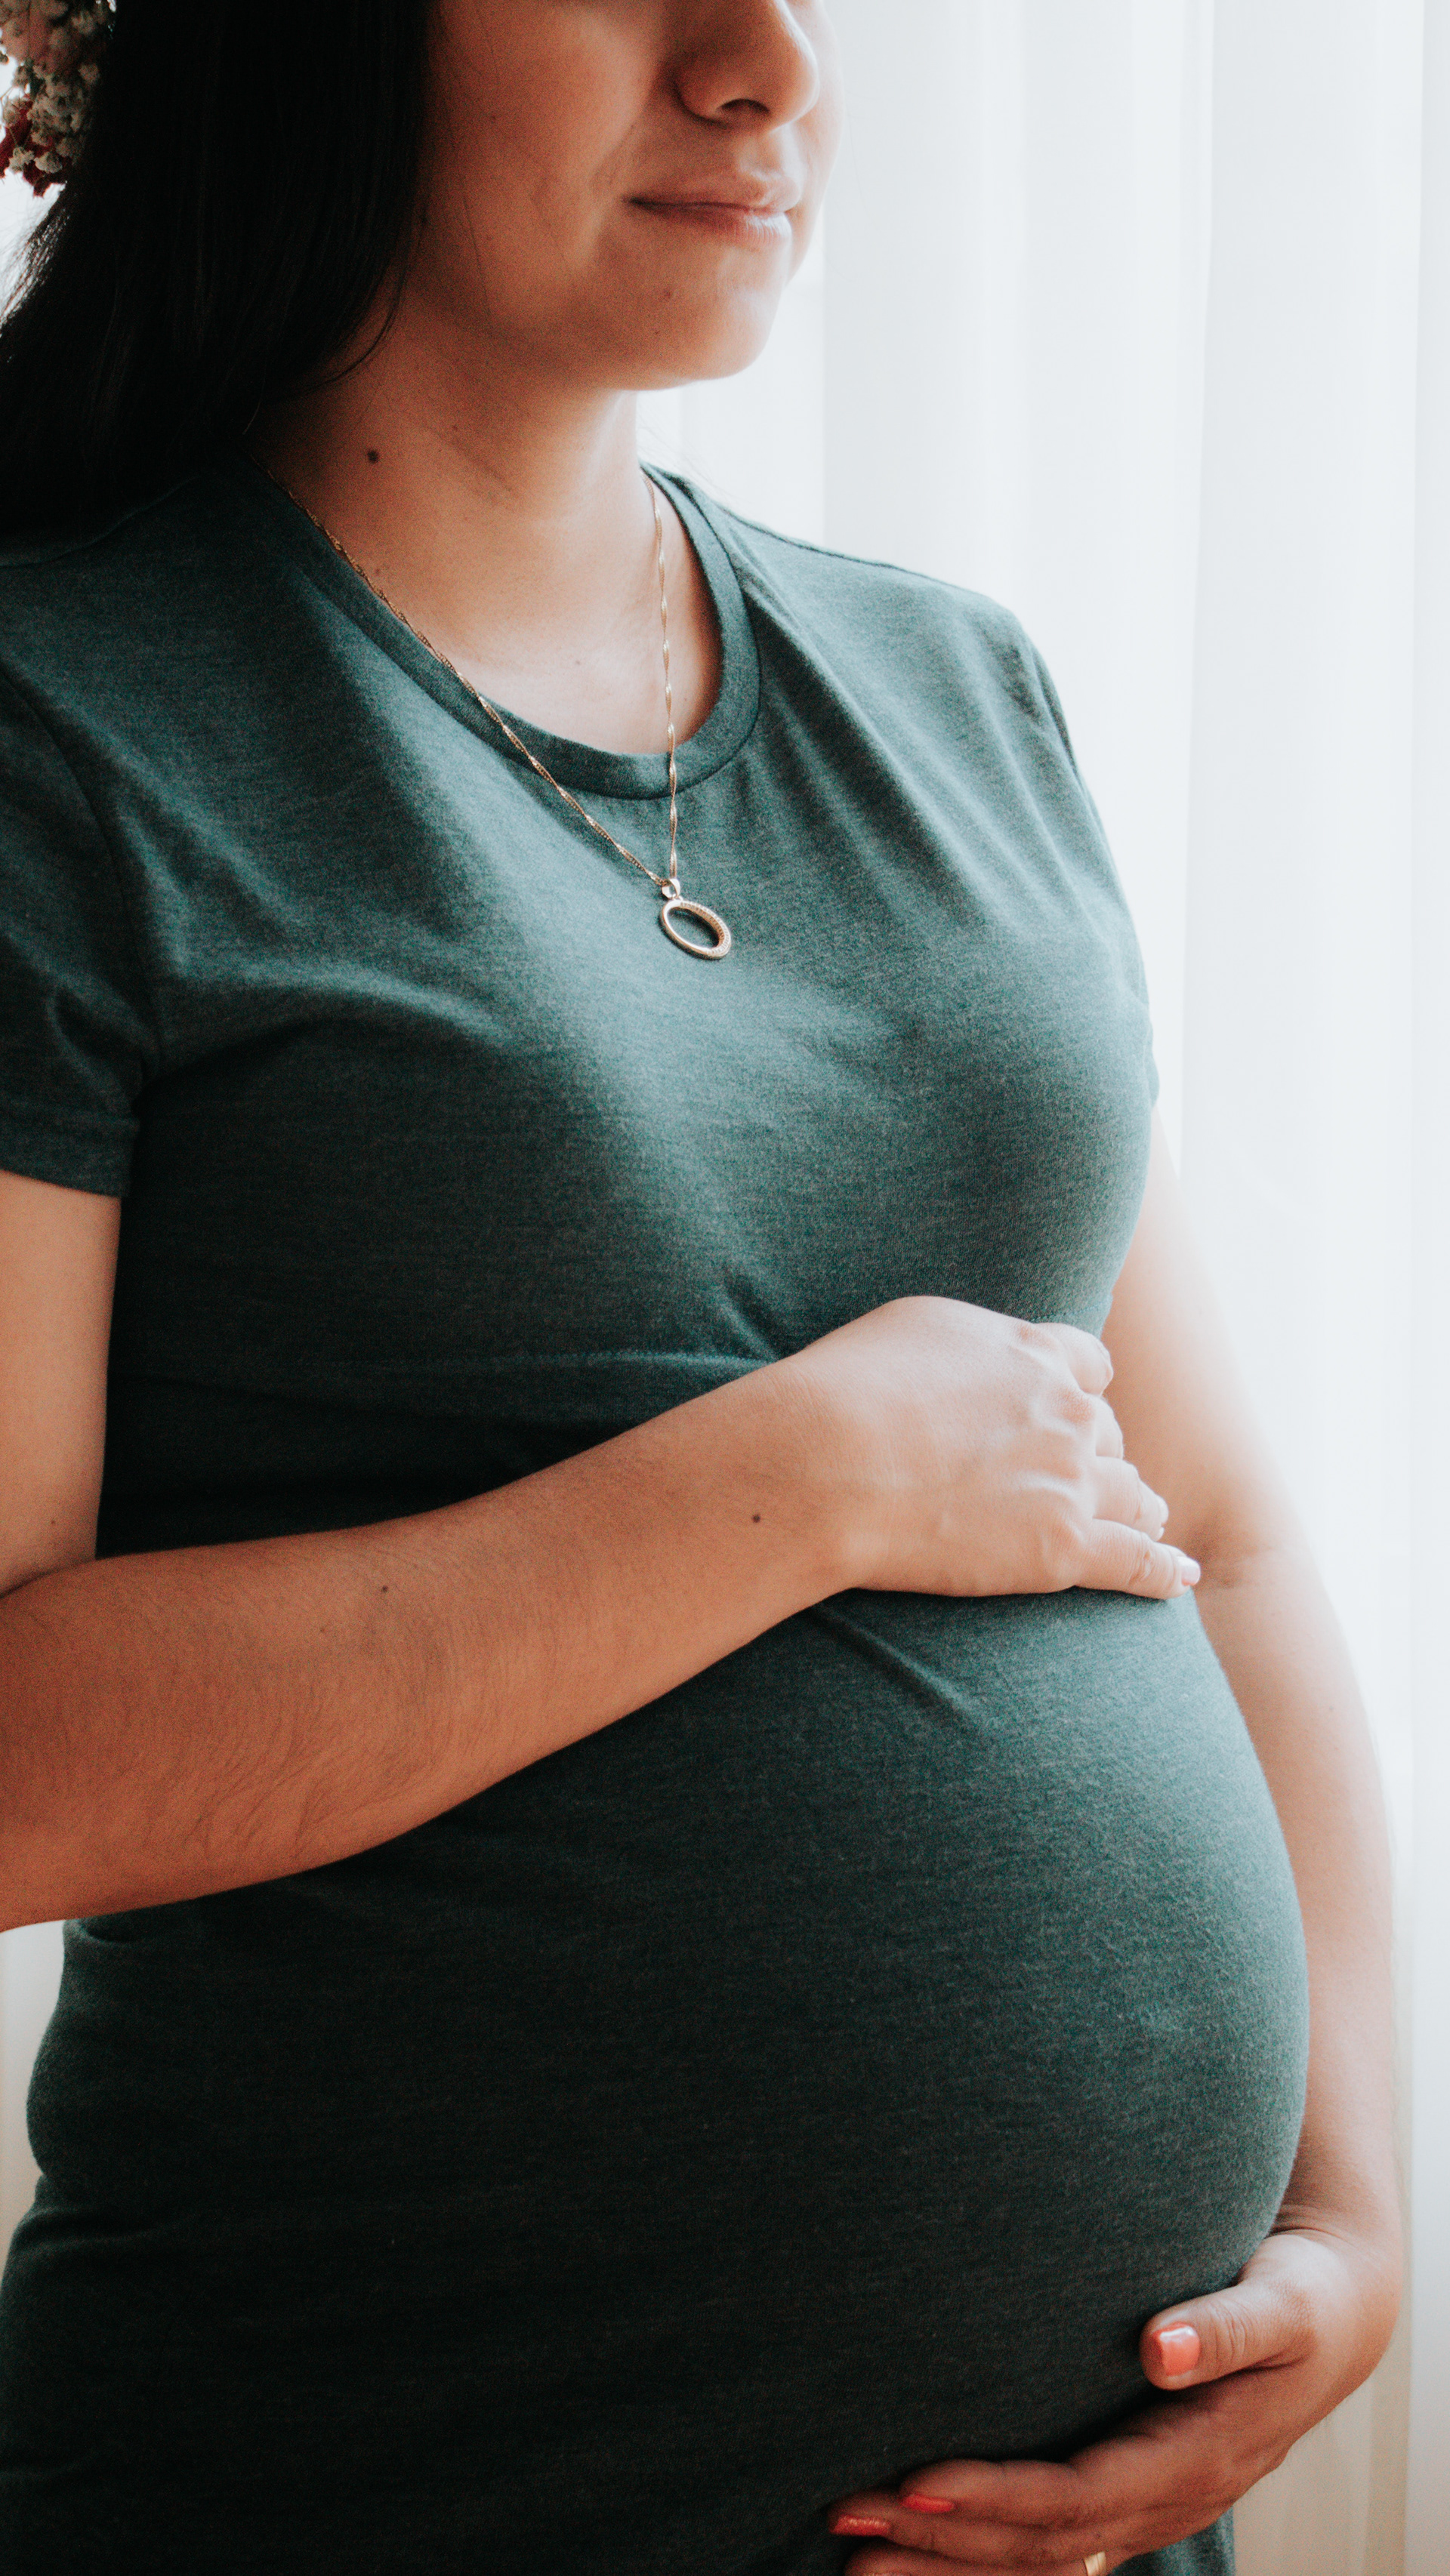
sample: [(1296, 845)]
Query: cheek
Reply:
[(821, 132), (524, 134)]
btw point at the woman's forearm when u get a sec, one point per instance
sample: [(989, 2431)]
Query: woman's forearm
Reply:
[(1188, 1421), (1271, 1626), (173, 1724)]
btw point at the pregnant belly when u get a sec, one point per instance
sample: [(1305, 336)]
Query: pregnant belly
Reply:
[(824, 2071)]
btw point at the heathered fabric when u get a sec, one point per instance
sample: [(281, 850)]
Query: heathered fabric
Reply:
[(827, 2069)]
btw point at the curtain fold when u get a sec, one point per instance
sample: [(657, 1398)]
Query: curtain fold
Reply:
[(1426, 1502), (1300, 946)]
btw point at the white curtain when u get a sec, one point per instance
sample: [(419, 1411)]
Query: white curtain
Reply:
[(1136, 314)]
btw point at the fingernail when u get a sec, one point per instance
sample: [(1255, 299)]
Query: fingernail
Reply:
[(1179, 2349), (861, 2526), (928, 2504), (1188, 1566)]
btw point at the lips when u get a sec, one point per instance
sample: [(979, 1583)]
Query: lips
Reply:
[(730, 196), (748, 222)]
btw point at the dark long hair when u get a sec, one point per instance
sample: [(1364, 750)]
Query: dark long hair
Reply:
[(235, 211)]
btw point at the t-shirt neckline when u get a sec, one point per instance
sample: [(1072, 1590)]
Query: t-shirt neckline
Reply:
[(578, 765)]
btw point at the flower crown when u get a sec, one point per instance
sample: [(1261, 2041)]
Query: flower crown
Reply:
[(56, 47)]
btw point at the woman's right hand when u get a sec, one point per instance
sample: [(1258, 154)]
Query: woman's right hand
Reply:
[(180, 1721), (969, 1452)]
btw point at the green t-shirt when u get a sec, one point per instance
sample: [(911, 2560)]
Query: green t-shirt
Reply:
[(830, 2066)]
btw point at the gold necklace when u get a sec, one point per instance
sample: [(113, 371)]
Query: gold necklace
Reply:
[(676, 906)]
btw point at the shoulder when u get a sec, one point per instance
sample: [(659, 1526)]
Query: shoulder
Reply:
[(95, 604), (910, 629), (145, 649), (97, 557)]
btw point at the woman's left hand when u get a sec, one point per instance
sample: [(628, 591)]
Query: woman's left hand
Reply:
[(1249, 2370)]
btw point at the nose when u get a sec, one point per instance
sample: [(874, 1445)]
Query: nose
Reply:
[(746, 62)]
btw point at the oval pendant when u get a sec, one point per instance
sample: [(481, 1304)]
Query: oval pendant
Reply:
[(677, 904)]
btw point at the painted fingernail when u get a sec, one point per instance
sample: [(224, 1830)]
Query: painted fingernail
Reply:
[(1179, 2349), (861, 2526), (928, 2504)]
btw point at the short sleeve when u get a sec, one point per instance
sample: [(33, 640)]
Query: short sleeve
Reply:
[(1133, 955), (75, 1040)]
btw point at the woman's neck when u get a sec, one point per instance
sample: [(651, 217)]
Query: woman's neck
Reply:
[(511, 526)]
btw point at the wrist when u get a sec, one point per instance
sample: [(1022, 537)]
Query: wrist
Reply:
[(1346, 2180), (811, 1441), (1366, 2229)]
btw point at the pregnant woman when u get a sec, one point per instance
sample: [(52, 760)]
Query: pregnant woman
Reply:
[(687, 1957)]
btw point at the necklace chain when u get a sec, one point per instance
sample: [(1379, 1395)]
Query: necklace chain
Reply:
[(669, 885)]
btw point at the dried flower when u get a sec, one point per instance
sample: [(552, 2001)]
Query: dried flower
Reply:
[(56, 47)]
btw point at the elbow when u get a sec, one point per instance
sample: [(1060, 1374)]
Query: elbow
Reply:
[(1237, 1556)]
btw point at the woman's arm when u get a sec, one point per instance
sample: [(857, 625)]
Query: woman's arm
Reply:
[(1179, 1397), (176, 1723), (1313, 2310)]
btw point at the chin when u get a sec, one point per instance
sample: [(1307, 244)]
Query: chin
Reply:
[(718, 345)]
